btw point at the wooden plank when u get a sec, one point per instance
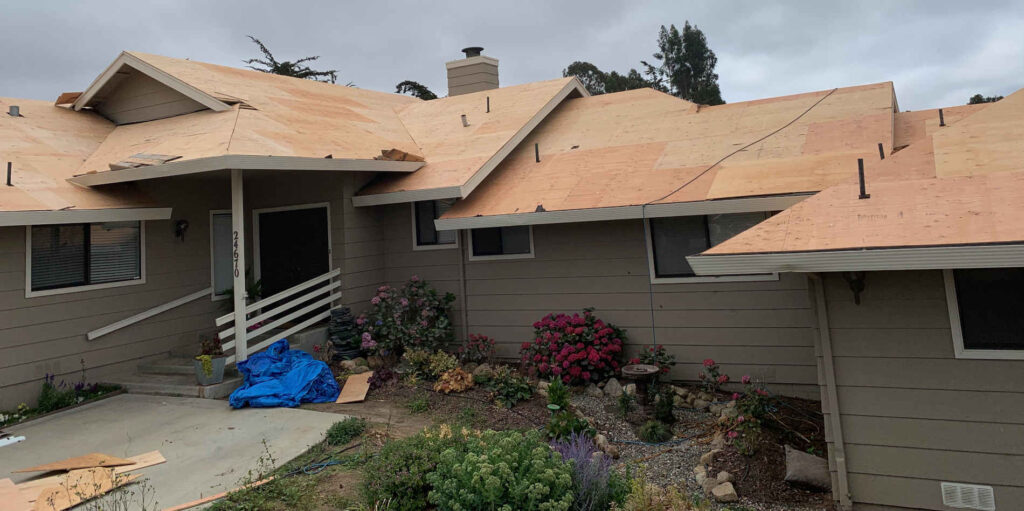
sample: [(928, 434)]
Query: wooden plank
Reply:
[(80, 486), (90, 460), (11, 498), (221, 495), (144, 460), (355, 389)]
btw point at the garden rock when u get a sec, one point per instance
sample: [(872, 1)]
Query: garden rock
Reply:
[(700, 404), (542, 388), (483, 370), (679, 402), (613, 388), (593, 391), (470, 367), (709, 485), (680, 391), (725, 492), (374, 362), (602, 443), (360, 369), (709, 456), (724, 477), (730, 413), (700, 473), (731, 404), (719, 441), (350, 365), (807, 469), (716, 408), (630, 389)]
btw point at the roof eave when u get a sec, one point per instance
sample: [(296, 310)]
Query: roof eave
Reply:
[(243, 162), (1005, 255), (81, 216)]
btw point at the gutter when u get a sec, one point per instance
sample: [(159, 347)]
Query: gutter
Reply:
[(817, 282)]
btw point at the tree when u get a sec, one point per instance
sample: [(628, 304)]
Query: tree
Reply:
[(297, 69), (598, 82), (685, 65), (978, 99), (415, 89)]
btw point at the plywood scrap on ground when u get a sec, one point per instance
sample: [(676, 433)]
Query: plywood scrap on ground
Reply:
[(79, 486), (90, 460), (211, 498), (11, 498), (355, 388), (31, 489)]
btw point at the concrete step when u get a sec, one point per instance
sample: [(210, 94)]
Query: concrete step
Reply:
[(183, 385), (178, 365)]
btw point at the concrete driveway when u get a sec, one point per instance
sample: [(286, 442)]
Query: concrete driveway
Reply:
[(208, 446)]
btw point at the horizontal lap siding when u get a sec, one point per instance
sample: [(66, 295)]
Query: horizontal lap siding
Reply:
[(47, 334), (760, 328), (912, 414)]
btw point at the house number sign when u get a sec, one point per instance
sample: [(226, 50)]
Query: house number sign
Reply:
[(234, 252)]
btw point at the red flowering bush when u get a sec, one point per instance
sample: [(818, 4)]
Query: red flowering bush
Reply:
[(579, 349)]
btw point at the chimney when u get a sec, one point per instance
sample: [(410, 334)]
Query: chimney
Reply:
[(474, 73)]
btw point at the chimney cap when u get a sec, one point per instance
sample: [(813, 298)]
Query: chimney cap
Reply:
[(473, 51)]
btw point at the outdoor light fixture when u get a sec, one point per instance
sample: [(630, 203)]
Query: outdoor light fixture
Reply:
[(179, 229), (856, 281)]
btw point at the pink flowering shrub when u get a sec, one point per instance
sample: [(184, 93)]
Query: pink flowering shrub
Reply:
[(478, 349), (413, 316), (755, 406), (579, 349), (710, 376), (656, 356)]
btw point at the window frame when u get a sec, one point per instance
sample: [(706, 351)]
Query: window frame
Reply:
[(498, 257), (415, 235), (956, 329), (652, 272), (29, 293)]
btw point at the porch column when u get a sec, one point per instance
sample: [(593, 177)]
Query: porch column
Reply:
[(238, 263)]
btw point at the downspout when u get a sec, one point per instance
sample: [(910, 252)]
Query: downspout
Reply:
[(828, 365), (462, 286)]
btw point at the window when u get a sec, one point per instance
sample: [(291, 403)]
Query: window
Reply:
[(222, 276), (985, 312), (671, 239), (77, 257), (424, 235), (502, 242)]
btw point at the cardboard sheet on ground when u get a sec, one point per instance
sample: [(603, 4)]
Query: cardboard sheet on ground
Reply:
[(87, 461), (31, 489), (355, 389)]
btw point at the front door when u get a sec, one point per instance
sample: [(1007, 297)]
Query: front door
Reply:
[(294, 246)]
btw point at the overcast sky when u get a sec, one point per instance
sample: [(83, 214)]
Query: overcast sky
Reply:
[(938, 53)]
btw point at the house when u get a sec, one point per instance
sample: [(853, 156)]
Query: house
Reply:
[(733, 232)]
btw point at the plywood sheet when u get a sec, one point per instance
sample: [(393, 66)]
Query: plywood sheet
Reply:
[(355, 388), (90, 460), (31, 488), (11, 498), (79, 486)]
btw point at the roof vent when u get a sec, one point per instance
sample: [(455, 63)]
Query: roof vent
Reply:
[(473, 51), (968, 496), (14, 111)]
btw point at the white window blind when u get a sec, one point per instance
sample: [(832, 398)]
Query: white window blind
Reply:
[(73, 255)]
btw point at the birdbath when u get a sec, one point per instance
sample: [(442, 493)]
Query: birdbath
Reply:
[(644, 374)]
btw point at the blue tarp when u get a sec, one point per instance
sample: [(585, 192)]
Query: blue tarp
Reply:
[(280, 376)]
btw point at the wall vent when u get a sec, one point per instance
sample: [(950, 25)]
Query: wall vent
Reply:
[(968, 496)]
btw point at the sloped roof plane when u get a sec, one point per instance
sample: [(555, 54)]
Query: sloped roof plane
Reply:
[(643, 147)]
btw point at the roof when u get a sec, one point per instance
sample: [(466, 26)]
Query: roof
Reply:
[(271, 115), (460, 154), (645, 147), (962, 185), (45, 146)]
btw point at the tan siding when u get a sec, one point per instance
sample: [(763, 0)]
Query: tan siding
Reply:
[(140, 98), (912, 414)]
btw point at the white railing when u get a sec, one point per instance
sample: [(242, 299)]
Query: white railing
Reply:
[(322, 291), (147, 314)]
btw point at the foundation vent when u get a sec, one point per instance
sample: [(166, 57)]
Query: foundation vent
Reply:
[(968, 496)]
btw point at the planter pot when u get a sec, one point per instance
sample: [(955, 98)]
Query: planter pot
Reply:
[(216, 371)]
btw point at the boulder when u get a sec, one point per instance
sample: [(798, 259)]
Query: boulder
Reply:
[(730, 413), (483, 370), (613, 388), (361, 362), (716, 408), (807, 470), (374, 362), (543, 385), (718, 442), (360, 369), (709, 485), (724, 477), (709, 456), (679, 402), (700, 404), (700, 473), (680, 391), (602, 443), (724, 493), (593, 391), (630, 389)]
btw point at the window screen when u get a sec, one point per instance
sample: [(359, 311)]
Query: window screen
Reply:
[(991, 302), (674, 238), (82, 254), (501, 240), (425, 214)]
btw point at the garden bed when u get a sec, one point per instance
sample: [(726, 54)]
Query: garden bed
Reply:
[(55, 398)]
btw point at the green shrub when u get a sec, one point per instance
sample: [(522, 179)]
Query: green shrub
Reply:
[(343, 432), (399, 471), (508, 387), (664, 405), (562, 424), (419, 404), (558, 394), (430, 365), (504, 471), (626, 403), (655, 432)]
